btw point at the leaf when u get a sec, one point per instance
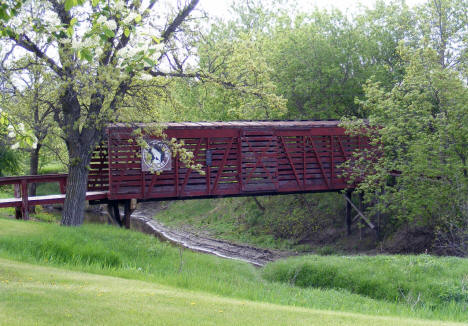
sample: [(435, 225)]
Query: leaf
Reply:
[(86, 54), (127, 32), (148, 61), (69, 4), (109, 33), (73, 21), (156, 40), (138, 18), (95, 3)]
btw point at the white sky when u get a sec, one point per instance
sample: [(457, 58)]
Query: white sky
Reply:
[(220, 8)]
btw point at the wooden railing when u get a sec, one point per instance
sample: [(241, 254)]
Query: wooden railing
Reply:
[(21, 186)]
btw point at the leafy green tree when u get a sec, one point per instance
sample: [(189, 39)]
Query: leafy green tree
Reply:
[(96, 50), (421, 128), (323, 59), (238, 83), (9, 160), (12, 137), (30, 98)]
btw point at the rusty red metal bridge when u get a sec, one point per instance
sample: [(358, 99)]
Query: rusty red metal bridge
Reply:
[(238, 158)]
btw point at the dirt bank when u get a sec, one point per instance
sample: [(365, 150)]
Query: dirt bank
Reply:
[(142, 220)]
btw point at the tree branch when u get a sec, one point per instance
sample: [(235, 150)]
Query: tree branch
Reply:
[(23, 41), (178, 20)]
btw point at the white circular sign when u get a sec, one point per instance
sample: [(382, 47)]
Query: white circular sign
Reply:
[(156, 157)]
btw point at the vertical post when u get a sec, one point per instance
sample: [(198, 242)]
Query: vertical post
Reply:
[(304, 166), (208, 162), (349, 220), (113, 209), (332, 162), (18, 214), (62, 184), (239, 160), (127, 213), (129, 207), (25, 201), (361, 208), (177, 174)]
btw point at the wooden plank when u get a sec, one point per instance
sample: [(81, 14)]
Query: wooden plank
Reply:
[(365, 219)]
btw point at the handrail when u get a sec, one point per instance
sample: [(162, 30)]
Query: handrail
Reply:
[(33, 178), (21, 188)]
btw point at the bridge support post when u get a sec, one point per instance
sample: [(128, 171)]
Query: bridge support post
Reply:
[(129, 207), (349, 220), (25, 200), (18, 214), (114, 212)]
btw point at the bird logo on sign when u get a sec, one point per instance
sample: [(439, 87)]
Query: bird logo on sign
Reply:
[(156, 156)]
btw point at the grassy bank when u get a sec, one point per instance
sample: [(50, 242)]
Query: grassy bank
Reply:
[(415, 280), (110, 251), (34, 295), (234, 219)]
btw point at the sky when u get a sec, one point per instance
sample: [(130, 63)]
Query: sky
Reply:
[(220, 8)]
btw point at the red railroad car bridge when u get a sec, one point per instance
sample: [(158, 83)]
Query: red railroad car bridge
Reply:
[(238, 158)]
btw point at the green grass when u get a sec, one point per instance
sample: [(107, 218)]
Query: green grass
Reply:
[(416, 280), (39, 215), (41, 190), (114, 252), (34, 295), (280, 222), (224, 218), (53, 167)]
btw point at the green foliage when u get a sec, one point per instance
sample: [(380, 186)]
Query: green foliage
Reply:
[(421, 127), (414, 280), (9, 159), (297, 216), (9, 9), (322, 59), (237, 82)]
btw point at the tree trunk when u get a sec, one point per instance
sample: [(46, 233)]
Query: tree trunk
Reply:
[(74, 205), (80, 142), (33, 170)]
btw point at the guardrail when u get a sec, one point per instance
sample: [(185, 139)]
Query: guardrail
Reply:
[(22, 200)]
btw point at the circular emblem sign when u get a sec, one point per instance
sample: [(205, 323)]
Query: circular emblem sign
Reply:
[(156, 157)]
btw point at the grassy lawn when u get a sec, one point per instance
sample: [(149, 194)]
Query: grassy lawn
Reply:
[(36, 295), (134, 265)]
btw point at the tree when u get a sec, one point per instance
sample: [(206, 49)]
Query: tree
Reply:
[(238, 82), (9, 160), (30, 98), (96, 50), (421, 128), (420, 173), (12, 137)]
